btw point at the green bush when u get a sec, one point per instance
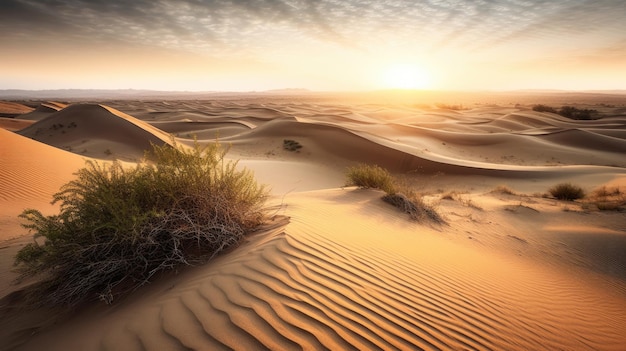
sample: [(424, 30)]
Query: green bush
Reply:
[(370, 176), (567, 191), (118, 226)]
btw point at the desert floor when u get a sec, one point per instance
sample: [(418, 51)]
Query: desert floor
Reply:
[(336, 267)]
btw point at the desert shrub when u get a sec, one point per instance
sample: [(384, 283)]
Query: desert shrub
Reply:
[(398, 194), (370, 176), (576, 113), (415, 206), (544, 108), (118, 226), (291, 145), (567, 191), (568, 111)]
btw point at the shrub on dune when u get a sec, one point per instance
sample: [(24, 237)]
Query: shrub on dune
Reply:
[(118, 226), (370, 176), (402, 197), (567, 191), (414, 206)]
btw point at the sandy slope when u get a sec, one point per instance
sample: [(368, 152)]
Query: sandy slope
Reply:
[(31, 171), (508, 271), (373, 282), (96, 131)]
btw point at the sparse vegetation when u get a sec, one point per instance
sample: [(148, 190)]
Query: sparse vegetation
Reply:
[(569, 112), (415, 206), (576, 113), (118, 226), (603, 191), (371, 176), (402, 197), (567, 191), (544, 108), (291, 145), (609, 199)]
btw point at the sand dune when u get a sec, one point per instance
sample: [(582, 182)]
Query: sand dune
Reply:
[(12, 109), (32, 171), (14, 124), (43, 110), (339, 268), (96, 131)]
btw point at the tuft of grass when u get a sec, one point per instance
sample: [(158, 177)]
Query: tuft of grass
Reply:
[(415, 206), (567, 191), (119, 226), (371, 176), (400, 196)]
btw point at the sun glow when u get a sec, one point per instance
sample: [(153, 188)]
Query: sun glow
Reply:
[(406, 76)]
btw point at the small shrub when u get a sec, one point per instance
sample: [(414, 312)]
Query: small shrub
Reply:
[(370, 176), (291, 145), (401, 196), (415, 206), (118, 226), (567, 191)]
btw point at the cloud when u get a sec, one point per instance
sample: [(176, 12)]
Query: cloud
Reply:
[(231, 27)]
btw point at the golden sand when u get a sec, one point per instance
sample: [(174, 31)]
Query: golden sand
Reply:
[(338, 268)]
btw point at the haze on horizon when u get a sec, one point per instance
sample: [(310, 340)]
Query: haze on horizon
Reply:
[(239, 45)]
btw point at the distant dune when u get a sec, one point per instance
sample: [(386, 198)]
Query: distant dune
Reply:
[(337, 268), (96, 131)]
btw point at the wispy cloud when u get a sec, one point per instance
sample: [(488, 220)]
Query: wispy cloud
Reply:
[(211, 24), (279, 32)]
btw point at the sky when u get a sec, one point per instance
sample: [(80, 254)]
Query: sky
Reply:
[(321, 45)]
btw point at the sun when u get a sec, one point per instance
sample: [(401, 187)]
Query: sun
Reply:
[(405, 76)]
